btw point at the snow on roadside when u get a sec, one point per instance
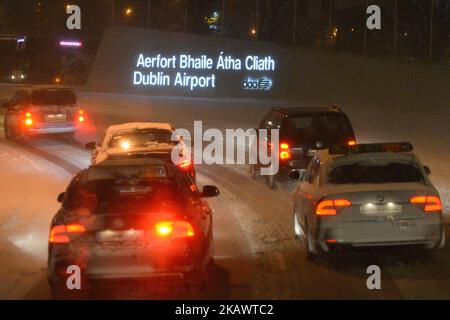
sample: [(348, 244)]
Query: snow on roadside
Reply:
[(29, 186)]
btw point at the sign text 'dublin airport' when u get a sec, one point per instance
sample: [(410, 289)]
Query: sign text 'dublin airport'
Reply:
[(193, 72)]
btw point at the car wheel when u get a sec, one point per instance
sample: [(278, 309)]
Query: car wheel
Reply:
[(7, 130), (271, 183), (200, 279), (443, 241), (312, 249), (297, 228), (253, 173)]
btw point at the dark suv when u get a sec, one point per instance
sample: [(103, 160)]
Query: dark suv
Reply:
[(303, 131), (34, 111)]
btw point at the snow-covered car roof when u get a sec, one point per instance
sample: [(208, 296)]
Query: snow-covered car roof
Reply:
[(381, 152), (156, 147), (130, 126), (379, 157)]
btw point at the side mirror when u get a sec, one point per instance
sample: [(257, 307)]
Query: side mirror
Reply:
[(427, 170), (294, 175), (61, 197), (209, 191), (5, 105), (90, 145)]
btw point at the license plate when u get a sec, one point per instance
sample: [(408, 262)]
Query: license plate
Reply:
[(60, 117), (405, 225), (381, 209), (125, 236)]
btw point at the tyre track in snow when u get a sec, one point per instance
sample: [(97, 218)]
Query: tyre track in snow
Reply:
[(288, 273)]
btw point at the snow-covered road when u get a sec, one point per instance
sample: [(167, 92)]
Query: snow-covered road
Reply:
[(256, 255)]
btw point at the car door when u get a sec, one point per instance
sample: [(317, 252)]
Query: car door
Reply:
[(307, 192), (201, 209)]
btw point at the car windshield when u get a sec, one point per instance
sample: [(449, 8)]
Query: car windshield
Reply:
[(122, 195), (52, 97), (141, 138), (392, 172), (310, 128)]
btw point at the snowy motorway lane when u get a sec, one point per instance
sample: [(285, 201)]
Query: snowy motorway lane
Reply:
[(60, 160), (256, 255)]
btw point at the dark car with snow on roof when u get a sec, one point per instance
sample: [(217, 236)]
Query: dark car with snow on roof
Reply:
[(131, 218), (142, 139)]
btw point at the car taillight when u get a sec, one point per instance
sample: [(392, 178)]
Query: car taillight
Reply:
[(81, 115), (285, 152), (331, 207), (185, 164), (28, 119), (61, 233), (351, 143), (174, 229), (428, 203)]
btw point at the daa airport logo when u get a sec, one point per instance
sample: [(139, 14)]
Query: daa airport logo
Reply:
[(263, 84)]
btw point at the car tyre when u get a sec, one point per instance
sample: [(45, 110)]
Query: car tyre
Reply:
[(7, 130), (271, 182), (253, 170), (443, 241), (200, 279), (313, 250), (297, 228)]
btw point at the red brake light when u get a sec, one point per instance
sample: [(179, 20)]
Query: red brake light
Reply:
[(28, 119), (285, 152), (185, 164), (174, 229), (164, 229), (330, 207), (81, 115), (60, 233), (429, 203)]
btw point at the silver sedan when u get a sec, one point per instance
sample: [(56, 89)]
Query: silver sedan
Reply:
[(367, 195)]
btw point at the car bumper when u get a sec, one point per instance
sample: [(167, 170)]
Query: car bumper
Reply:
[(426, 231), (52, 129), (123, 264), (294, 165)]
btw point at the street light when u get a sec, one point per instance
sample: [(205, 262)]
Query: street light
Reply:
[(253, 31), (128, 11)]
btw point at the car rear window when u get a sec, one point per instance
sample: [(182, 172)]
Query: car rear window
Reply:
[(310, 128), (121, 195), (393, 172), (143, 138), (52, 97)]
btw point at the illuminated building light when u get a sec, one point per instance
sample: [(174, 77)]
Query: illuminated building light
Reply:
[(64, 43), (128, 11)]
